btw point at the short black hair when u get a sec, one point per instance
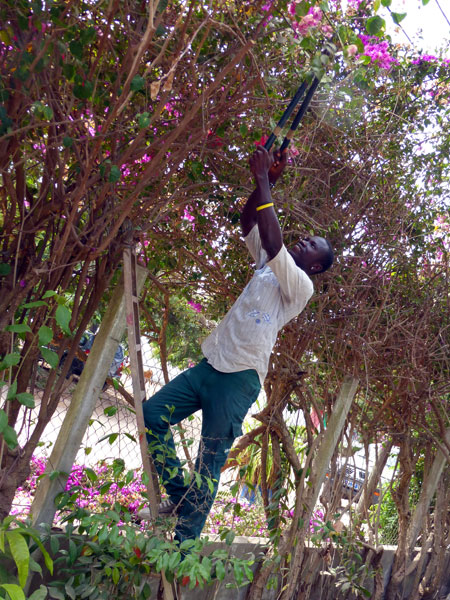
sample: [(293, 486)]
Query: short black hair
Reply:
[(328, 259)]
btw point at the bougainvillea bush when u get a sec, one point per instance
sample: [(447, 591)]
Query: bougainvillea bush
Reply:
[(137, 119), (103, 486)]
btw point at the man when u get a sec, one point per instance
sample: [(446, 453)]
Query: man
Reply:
[(227, 381)]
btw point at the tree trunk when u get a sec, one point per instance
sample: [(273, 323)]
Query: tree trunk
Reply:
[(373, 481)]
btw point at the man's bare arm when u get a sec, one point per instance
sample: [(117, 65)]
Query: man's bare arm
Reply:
[(249, 213)]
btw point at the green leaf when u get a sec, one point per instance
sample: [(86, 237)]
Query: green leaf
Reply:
[(69, 71), (67, 142), (308, 44), (114, 174), (70, 592), (10, 437), (238, 573), (3, 420), (144, 120), (50, 357), (4, 37), (115, 575), (397, 17), (425, 2), (49, 294), (12, 391), (76, 48), (13, 590), (34, 304), (197, 168), (54, 544), (88, 35), (63, 316), (302, 8), (47, 558), (386, 2), (248, 572), (39, 594), (12, 359), (20, 553), (137, 83), (83, 90), (18, 328), (91, 474), (112, 438), (26, 399), (229, 537), (47, 112), (220, 570), (55, 593), (5, 269), (45, 335), (375, 24), (73, 552)]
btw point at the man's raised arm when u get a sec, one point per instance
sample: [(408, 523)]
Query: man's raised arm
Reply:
[(259, 206)]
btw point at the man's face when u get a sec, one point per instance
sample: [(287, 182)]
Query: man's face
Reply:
[(309, 252)]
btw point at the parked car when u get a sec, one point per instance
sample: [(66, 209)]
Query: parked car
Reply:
[(353, 478), (86, 343)]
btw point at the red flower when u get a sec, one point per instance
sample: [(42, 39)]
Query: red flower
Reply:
[(262, 141)]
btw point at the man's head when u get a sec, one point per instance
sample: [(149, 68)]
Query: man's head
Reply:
[(312, 254)]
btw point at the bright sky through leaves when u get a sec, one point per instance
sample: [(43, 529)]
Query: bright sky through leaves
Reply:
[(426, 26)]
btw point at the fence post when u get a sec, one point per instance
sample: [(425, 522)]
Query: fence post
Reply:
[(83, 403)]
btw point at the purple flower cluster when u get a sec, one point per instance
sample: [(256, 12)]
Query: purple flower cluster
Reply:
[(24, 494), (430, 58), (313, 19), (355, 4), (128, 495), (195, 306), (378, 51), (251, 520)]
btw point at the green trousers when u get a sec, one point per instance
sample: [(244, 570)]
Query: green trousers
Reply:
[(224, 399)]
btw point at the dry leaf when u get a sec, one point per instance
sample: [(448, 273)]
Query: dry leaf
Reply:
[(169, 81), (154, 89)]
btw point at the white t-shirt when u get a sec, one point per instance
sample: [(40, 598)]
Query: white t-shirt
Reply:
[(277, 292)]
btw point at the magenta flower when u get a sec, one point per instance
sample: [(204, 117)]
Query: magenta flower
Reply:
[(378, 52), (195, 306), (187, 215)]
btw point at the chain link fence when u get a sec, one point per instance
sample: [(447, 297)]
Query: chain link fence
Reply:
[(112, 434)]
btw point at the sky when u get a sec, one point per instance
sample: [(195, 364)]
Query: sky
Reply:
[(427, 22)]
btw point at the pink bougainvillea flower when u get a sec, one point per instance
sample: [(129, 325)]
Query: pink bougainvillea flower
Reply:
[(327, 31), (378, 52), (195, 306), (187, 215), (267, 6)]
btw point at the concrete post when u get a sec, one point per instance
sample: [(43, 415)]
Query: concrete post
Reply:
[(332, 434), (83, 403), (427, 492)]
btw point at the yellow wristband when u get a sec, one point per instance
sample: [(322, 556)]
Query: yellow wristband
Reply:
[(264, 206)]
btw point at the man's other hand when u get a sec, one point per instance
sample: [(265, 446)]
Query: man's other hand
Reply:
[(278, 166), (260, 162)]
